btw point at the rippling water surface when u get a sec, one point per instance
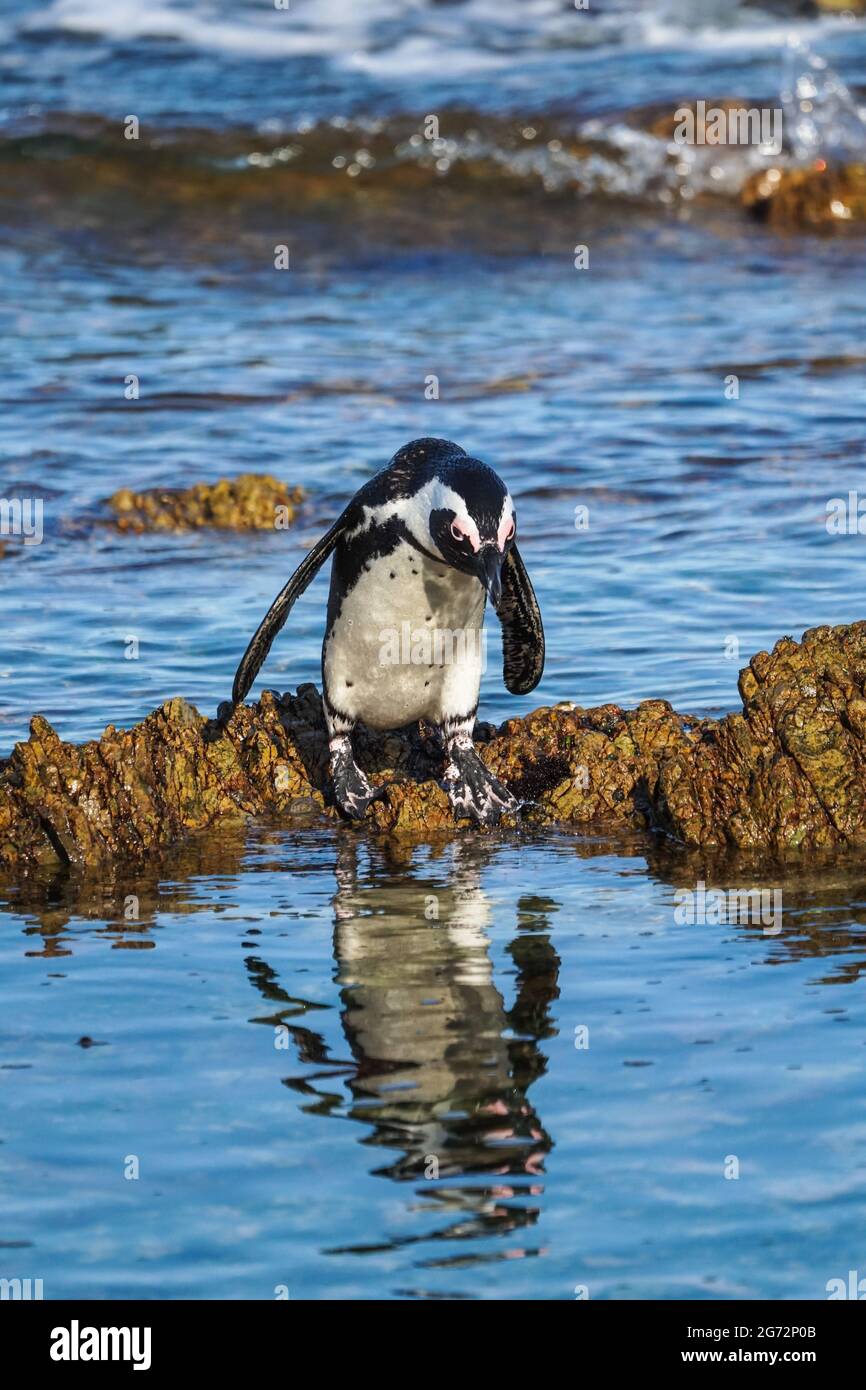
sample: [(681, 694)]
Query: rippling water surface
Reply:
[(427, 1122)]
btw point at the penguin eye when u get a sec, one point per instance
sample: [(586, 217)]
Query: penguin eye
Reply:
[(511, 530), (456, 532)]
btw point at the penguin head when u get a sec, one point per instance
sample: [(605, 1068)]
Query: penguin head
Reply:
[(472, 521)]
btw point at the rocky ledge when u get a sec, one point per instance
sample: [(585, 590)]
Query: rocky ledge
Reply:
[(788, 771), (251, 502)]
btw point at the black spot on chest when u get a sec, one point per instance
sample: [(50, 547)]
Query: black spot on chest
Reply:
[(354, 557)]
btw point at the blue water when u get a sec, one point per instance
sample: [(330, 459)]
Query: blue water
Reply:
[(421, 1044)]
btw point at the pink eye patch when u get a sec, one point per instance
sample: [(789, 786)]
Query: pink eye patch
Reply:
[(463, 532)]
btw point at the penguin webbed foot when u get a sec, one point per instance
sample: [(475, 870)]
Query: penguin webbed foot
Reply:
[(353, 793), (472, 789)]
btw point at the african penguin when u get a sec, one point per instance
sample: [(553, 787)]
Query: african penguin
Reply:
[(416, 554)]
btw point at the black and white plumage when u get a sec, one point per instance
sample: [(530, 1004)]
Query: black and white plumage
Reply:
[(416, 554)]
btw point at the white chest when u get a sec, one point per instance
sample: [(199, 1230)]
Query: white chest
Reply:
[(407, 644)]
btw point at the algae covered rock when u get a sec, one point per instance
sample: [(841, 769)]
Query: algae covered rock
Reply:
[(251, 502), (786, 772), (821, 197), (842, 6)]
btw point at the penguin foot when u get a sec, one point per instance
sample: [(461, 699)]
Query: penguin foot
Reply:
[(352, 792), (472, 789)]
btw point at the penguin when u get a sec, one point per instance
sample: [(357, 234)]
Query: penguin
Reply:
[(417, 553)]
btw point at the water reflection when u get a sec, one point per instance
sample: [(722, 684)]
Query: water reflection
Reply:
[(432, 1032), (824, 901), (121, 902), (441, 1067)]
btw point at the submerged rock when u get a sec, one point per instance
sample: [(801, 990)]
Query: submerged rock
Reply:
[(788, 771), (251, 502)]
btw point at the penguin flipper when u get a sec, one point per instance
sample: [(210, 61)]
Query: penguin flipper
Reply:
[(260, 643), (522, 630)]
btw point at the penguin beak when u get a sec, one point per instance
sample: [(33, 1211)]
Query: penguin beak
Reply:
[(490, 573)]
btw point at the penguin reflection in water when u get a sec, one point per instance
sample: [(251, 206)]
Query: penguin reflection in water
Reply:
[(425, 542)]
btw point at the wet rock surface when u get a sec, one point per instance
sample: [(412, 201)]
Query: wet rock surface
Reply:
[(787, 772), (250, 502), (822, 197)]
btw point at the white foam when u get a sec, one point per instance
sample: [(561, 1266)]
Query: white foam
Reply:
[(266, 33), (418, 38)]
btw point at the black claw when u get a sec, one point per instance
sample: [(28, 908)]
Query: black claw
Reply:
[(473, 790), (352, 792), (355, 807)]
